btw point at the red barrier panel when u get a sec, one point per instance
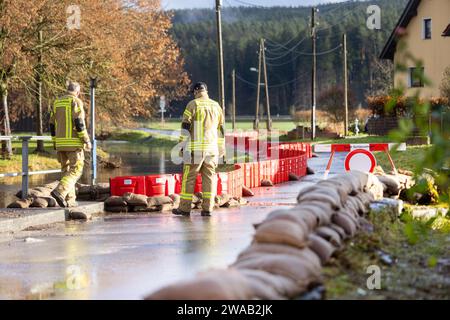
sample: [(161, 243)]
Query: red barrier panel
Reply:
[(121, 185), (155, 185), (178, 181), (292, 159)]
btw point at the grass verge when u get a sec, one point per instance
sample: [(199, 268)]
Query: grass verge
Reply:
[(416, 269)]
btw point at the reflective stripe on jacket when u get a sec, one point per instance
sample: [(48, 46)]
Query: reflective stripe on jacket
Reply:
[(65, 111), (205, 117)]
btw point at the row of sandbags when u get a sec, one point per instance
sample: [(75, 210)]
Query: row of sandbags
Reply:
[(99, 192), (38, 197), (131, 202), (289, 247), (394, 183)]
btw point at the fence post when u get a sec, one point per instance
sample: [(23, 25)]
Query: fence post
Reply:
[(25, 172)]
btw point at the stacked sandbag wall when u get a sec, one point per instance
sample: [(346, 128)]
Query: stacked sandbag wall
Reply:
[(290, 246)]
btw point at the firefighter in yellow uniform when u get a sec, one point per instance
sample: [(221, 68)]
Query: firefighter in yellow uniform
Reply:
[(70, 137), (203, 135)]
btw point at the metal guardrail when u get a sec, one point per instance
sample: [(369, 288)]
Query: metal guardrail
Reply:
[(25, 174)]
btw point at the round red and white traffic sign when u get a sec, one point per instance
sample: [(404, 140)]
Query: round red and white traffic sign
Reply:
[(360, 160)]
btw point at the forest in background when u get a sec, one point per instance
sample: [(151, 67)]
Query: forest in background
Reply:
[(288, 51)]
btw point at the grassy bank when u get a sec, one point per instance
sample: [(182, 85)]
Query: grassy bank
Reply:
[(142, 137), (281, 125), (42, 161), (413, 258)]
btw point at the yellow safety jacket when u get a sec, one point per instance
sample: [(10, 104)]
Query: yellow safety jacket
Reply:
[(67, 123), (203, 122)]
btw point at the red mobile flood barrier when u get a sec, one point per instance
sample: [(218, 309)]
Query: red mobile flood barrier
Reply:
[(284, 158)]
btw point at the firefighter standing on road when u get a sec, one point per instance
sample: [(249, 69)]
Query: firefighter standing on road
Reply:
[(203, 133), (68, 130)]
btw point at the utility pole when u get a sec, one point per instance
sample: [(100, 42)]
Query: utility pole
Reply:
[(344, 40), (314, 68), (38, 79), (266, 85), (258, 90), (220, 55), (93, 86), (233, 111)]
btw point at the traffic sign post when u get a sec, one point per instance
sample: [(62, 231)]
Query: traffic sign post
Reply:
[(162, 107)]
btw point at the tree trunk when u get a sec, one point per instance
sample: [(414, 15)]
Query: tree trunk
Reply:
[(7, 127), (38, 80), (39, 120)]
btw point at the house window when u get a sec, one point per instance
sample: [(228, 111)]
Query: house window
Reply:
[(416, 77), (426, 30)]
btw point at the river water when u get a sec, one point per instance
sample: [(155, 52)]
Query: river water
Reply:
[(137, 159)]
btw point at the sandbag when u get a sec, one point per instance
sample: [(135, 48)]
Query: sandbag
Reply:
[(307, 216), (33, 193), (357, 204), (51, 202), (303, 272), (282, 232), (247, 192), (231, 203), (266, 183), (335, 191), (376, 190), (197, 199), (321, 247), (293, 177), (222, 199), (256, 249), (39, 203), (287, 215), (21, 204), (176, 200), (346, 187), (159, 201), (310, 171), (392, 183), (142, 209), (86, 189), (321, 210), (345, 223), (262, 290), (330, 235), (362, 177), (116, 209), (283, 286), (339, 230), (226, 284), (135, 199), (365, 198), (333, 199), (115, 201), (242, 201), (350, 181)]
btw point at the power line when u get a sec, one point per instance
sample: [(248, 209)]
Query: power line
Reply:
[(340, 20), (272, 86), (304, 54), (288, 51), (249, 4), (279, 45)]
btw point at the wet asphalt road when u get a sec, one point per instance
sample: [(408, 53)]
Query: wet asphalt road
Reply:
[(129, 257)]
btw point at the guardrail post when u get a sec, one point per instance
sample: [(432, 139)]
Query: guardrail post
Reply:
[(25, 171)]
